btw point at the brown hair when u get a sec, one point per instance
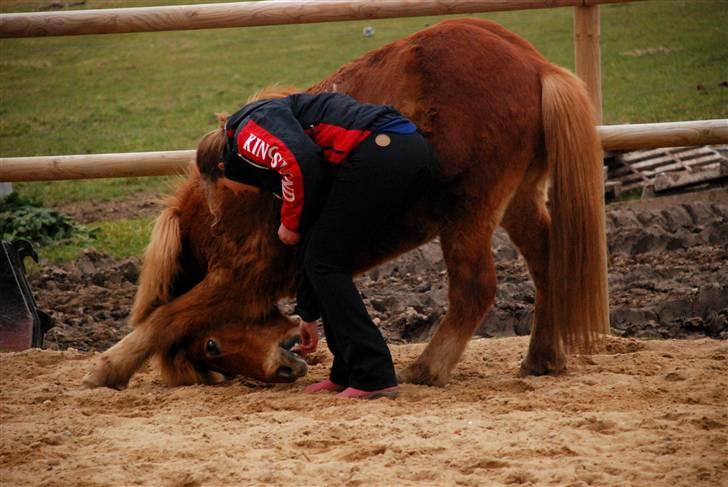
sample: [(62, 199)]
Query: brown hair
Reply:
[(210, 150)]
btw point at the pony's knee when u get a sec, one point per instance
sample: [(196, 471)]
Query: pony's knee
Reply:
[(476, 292), (488, 287)]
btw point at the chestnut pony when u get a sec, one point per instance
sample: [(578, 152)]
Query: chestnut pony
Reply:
[(506, 126)]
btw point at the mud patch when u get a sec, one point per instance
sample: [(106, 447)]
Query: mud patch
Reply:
[(89, 300), (668, 279)]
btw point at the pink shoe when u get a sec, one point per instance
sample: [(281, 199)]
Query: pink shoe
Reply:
[(323, 386), (351, 393)]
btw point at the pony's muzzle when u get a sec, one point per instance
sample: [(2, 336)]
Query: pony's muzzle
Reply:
[(292, 366)]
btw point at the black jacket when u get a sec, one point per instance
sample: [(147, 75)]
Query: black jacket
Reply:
[(286, 145)]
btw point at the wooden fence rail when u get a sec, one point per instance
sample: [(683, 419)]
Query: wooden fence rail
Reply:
[(46, 168), (666, 134), (247, 14), (276, 12), (92, 166)]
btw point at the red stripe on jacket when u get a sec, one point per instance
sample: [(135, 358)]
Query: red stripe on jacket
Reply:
[(336, 141), (265, 149)]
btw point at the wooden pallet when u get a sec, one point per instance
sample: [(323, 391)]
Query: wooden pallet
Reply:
[(667, 168)]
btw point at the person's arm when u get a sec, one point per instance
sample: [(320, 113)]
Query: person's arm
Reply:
[(307, 303), (308, 309)]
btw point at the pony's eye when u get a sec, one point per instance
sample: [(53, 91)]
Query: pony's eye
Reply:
[(211, 348)]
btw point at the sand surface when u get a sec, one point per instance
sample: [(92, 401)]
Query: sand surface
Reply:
[(641, 413)]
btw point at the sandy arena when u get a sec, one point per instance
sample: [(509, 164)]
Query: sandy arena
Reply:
[(640, 413), (649, 410)]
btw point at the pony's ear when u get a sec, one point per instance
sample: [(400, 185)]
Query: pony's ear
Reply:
[(178, 370), (222, 118)]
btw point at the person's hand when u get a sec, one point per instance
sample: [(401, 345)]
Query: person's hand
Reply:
[(288, 237), (309, 337)]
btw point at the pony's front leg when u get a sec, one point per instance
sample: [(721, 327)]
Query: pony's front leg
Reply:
[(203, 306), (115, 367), (472, 281)]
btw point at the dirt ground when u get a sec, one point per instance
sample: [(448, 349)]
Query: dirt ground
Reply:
[(650, 409), (668, 279), (641, 413)]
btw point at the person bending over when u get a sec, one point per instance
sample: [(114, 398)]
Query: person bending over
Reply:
[(342, 169)]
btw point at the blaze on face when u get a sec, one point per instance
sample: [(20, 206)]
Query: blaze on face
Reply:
[(260, 350)]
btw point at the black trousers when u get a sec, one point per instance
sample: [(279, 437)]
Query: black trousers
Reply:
[(379, 179)]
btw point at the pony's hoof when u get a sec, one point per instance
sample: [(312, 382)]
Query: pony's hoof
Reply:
[(101, 376), (544, 367), (420, 374)]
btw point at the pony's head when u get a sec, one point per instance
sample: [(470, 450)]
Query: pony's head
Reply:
[(221, 252), (260, 350), (234, 272)]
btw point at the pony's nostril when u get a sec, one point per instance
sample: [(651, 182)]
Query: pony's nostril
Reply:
[(285, 373), (288, 343), (294, 366)]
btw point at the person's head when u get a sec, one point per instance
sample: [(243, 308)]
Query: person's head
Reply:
[(211, 153), (211, 166), (211, 163)]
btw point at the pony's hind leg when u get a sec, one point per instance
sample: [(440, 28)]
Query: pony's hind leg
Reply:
[(528, 224), (467, 251)]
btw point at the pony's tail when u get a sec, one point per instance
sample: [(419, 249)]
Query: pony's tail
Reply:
[(577, 272), (160, 265)]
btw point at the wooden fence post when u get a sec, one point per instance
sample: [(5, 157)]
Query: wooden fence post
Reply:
[(587, 53)]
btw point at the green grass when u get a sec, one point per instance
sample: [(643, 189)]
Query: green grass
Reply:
[(55, 193), (160, 91), (118, 238), (123, 238)]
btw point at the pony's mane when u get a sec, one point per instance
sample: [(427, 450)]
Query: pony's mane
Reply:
[(273, 91)]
